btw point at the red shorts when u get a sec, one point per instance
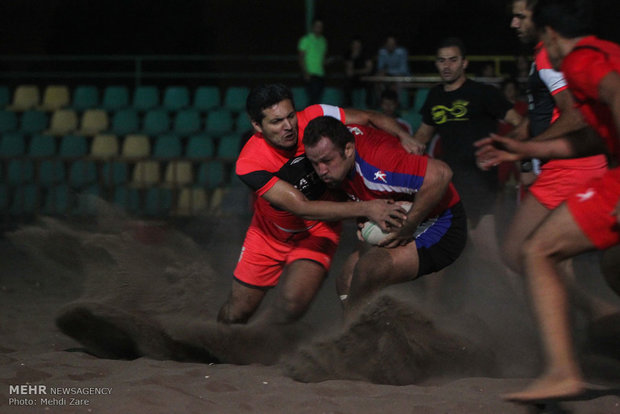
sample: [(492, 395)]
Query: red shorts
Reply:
[(592, 208), (558, 179), (263, 257)]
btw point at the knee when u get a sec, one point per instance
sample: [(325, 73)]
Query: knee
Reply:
[(536, 247)]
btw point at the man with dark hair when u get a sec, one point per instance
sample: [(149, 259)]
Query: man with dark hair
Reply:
[(588, 219), (370, 164), (295, 225), (463, 111)]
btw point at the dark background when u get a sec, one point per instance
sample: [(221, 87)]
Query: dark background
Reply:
[(257, 27)]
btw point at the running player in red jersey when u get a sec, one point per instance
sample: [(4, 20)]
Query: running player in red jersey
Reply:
[(295, 223), (586, 221), (369, 164)]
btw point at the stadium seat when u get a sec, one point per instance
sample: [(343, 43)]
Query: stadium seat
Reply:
[(175, 98), (199, 146), (87, 200), (93, 122), (146, 174), (207, 98), (191, 201), (114, 173), (127, 198), (25, 97), (20, 172), (8, 121), (115, 98), (33, 121), (62, 122), (4, 198), (85, 97), (167, 146), (332, 96), (210, 174), (243, 124), (156, 121), (300, 97), (42, 146), (228, 146), (359, 98), (219, 122), (186, 122), (420, 97), (57, 200), (51, 172), (82, 173), (179, 173), (25, 200), (104, 146), (145, 98), (126, 121), (5, 97), (55, 97), (235, 98), (136, 146), (413, 117), (13, 144), (73, 146), (158, 202)]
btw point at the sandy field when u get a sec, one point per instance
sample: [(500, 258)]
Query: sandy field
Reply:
[(117, 316)]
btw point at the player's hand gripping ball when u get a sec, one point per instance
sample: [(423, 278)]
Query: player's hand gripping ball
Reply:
[(372, 233)]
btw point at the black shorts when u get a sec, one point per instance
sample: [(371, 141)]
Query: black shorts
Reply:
[(441, 242)]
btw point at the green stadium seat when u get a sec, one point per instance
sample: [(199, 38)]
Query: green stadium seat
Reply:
[(8, 121), (199, 146), (211, 174), (57, 200), (420, 97), (115, 98), (158, 202), (42, 146), (333, 96), (20, 172), (167, 146), (219, 122), (176, 98), (82, 173), (156, 121), (228, 146), (126, 121), (85, 97), (235, 98), (51, 173), (127, 198), (73, 146), (33, 121), (186, 122), (114, 173), (5, 97), (145, 98), (300, 97), (25, 200), (207, 98), (13, 144)]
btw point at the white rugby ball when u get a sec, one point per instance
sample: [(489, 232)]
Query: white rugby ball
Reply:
[(372, 233)]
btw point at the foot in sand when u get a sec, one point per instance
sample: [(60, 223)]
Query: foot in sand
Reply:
[(549, 387)]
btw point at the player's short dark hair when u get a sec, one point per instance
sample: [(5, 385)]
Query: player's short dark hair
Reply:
[(330, 127), (264, 96), (453, 42), (570, 18)]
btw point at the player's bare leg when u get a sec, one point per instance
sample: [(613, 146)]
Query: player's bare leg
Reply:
[(298, 286), (557, 239), (378, 268), (240, 304)]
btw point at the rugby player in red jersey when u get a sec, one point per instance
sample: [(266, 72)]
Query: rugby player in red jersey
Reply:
[(295, 227)]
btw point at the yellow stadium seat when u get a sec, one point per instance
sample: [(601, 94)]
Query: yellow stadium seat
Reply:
[(63, 122), (104, 146), (55, 97), (93, 122), (25, 97), (136, 146), (192, 201), (145, 174), (178, 173)]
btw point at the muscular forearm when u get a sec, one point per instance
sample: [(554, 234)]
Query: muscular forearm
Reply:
[(327, 210), (565, 124), (436, 181)]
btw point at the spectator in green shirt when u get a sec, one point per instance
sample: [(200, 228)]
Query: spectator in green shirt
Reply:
[(312, 49)]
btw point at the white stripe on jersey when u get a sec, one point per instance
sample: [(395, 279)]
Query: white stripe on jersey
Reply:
[(383, 187), (331, 110), (553, 79)]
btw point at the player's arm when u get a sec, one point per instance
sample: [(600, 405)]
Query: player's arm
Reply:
[(384, 212), (609, 93), (424, 133), (570, 118), (385, 123), (513, 117), (436, 180)]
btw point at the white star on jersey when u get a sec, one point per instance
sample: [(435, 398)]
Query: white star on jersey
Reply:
[(380, 175), (586, 196)]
